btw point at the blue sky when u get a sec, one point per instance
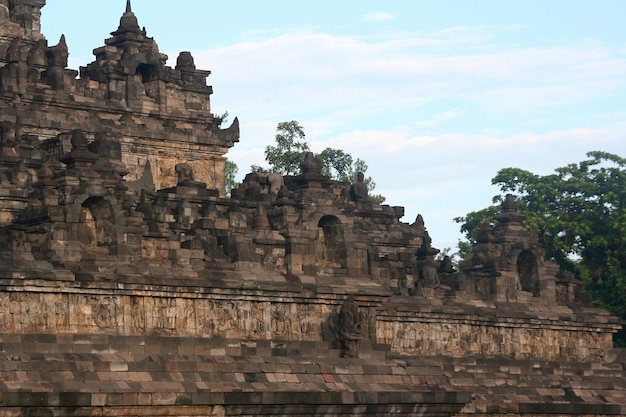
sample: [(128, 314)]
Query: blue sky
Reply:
[(436, 96)]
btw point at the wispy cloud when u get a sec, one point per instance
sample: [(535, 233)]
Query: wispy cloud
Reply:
[(439, 118), (377, 17), (435, 115), (327, 71)]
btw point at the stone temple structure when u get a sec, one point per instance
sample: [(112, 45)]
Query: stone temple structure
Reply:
[(131, 286)]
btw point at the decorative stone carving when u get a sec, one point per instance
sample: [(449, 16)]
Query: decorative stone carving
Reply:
[(485, 233), (20, 176), (8, 140), (358, 190), (276, 182), (4, 9), (185, 60), (80, 156), (57, 62), (145, 183), (261, 222), (86, 230), (186, 176), (311, 164), (445, 266), (349, 328), (185, 173), (57, 55), (44, 176), (283, 197), (311, 176)]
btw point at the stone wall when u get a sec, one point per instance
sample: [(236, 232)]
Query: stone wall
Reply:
[(277, 315), (130, 285), (440, 334), (229, 314), (157, 113)]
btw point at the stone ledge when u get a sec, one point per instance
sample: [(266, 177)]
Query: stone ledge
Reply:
[(270, 400), (574, 409)]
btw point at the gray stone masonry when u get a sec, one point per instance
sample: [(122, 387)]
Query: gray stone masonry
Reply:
[(130, 285)]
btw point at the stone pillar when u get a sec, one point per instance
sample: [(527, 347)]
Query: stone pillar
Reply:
[(28, 14), (4, 9)]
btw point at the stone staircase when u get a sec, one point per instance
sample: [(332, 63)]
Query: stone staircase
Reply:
[(73, 374), (79, 372)]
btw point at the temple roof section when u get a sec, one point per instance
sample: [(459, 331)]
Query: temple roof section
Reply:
[(25, 13), (129, 30), (130, 55), (128, 21)]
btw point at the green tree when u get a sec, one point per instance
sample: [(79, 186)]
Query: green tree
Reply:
[(287, 155), (336, 164), (579, 213), (339, 165), (221, 118), (361, 166), (230, 171)]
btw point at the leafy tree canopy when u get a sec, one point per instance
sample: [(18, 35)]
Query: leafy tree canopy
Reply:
[(579, 213), (230, 171), (287, 154)]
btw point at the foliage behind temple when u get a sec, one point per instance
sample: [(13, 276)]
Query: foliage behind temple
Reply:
[(579, 213)]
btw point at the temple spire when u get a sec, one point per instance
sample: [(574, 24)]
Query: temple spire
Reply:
[(128, 22)]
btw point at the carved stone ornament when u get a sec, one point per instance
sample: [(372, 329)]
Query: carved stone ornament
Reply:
[(349, 328)]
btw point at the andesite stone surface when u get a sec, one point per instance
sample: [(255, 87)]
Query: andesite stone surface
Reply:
[(131, 285)]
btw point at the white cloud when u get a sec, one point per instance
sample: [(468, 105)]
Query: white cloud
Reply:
[(434, 115), (320, 72), (377, 17), (439, 118)]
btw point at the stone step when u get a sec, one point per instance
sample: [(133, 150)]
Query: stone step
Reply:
[(70, 343), (158, 365)]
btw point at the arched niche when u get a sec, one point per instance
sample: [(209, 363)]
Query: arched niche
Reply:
[(148, 72), (528, 272), (96, 228), (332, 239)]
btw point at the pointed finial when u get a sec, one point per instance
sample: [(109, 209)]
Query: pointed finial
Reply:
[(128, 22)]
